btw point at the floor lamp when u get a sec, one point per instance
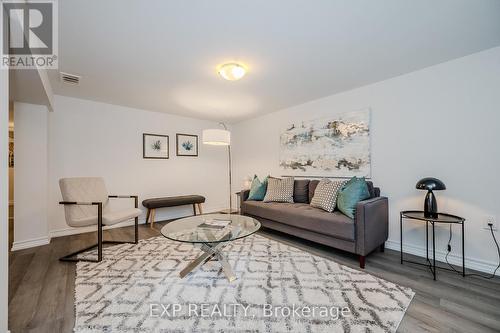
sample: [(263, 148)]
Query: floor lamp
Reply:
[(221, 137)]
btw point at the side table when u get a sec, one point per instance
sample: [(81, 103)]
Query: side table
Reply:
[(441, 218)]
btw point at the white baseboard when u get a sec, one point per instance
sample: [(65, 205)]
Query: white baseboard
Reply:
[(28, 243), (142, 220), (73, 231), (470, 263)]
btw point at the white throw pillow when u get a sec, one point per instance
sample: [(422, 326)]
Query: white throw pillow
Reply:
[(325, 195), (279, 190)]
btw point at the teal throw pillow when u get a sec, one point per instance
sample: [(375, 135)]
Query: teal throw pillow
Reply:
[(354, 191), (258, 189)]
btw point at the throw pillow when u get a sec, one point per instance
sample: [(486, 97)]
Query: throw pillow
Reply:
[(279, 190), (258, 189), (353, 192), (301, 191), (312, 187), (325, 195)]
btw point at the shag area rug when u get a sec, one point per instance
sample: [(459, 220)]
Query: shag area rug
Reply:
[(280, 288)]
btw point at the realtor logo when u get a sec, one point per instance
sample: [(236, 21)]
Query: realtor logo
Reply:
[(29, 34)]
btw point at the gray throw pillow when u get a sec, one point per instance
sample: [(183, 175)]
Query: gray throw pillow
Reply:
[(325, 195), (301, 191), (279, 190)]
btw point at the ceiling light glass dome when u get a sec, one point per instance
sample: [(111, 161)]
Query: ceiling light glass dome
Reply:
[(232, 71)]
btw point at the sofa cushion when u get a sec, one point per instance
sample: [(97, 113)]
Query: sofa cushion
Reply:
[(312, 188), (303, 216), (325, 196), (371, 189), (279, 190), (301, 191), (374, 191), (258, 189), (353, 192)]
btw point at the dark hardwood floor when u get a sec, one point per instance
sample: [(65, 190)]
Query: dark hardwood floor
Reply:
[(41, 289)]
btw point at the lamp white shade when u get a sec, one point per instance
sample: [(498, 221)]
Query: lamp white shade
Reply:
[(218, 137)]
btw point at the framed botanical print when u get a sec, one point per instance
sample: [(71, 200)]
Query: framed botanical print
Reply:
[(155, 146), (187, 145)]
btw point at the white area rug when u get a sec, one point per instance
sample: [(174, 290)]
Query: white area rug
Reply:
[(137, 288)]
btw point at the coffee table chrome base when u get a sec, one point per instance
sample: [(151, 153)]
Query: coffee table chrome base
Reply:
[(210, 251)]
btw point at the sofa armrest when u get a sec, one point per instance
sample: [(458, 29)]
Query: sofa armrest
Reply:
[(372, 224), (244, 195)]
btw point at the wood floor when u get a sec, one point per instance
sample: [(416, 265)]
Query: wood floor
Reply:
[(41, 289)]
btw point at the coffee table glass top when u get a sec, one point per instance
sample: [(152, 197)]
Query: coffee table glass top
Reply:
[(212, 228)]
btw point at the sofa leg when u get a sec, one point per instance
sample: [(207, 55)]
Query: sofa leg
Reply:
[(362, 261), (382, 247)]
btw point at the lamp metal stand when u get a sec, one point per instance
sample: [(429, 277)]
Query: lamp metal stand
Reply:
[(230, 210)]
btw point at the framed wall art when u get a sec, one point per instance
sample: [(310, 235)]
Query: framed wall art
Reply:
[(337, 146), (155, 146), (187, 145)]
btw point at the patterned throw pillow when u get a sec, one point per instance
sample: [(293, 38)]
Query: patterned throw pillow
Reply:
[(325, 195), (258, 189), (279, 190)]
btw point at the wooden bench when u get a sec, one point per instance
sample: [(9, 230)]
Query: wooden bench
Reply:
[(154, 203)]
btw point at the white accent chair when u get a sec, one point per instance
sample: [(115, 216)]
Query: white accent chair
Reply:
[(85, 201)]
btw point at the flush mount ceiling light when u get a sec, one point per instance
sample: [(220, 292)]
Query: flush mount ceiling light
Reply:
[(232, 71)]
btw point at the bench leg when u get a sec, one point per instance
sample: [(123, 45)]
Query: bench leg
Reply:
[(147, 215), (199, 209), (194, 209), (153, 213)]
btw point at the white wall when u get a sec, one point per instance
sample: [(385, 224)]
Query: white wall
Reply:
[(30, 178), (96, 139), (4, 195), (443, 121)]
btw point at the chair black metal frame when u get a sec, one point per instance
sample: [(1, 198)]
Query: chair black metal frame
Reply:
[(71, 257)]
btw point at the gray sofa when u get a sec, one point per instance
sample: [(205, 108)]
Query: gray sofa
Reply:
[(361, 235)]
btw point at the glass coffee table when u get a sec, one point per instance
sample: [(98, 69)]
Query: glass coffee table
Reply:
[(211, 233)]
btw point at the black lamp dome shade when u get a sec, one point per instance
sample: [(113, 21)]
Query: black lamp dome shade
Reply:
[(430, 204), (430, 184)]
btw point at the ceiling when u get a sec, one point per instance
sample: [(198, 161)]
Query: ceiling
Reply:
[(162, 55)]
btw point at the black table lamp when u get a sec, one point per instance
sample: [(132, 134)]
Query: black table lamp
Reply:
[(430, 204)]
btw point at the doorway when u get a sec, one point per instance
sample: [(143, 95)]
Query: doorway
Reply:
[(11, 174)]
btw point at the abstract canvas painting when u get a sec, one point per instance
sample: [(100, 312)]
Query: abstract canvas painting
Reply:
[(338, 146)]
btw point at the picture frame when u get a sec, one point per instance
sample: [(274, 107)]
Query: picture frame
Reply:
[(155, 146), (186, 144), (337, 146)]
